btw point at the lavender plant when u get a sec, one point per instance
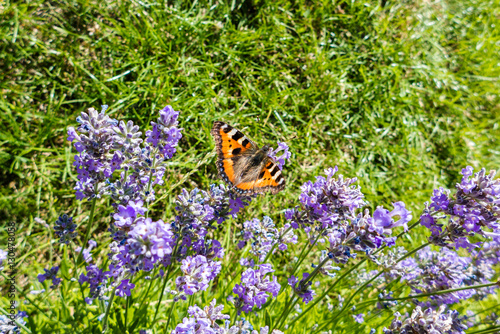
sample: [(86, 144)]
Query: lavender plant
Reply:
[(474, 209), (329, 253)]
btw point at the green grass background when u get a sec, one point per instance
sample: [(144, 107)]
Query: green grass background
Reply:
[(401, 94)]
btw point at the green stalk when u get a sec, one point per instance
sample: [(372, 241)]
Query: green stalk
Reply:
[(495, 329), (317, 300), (274, 247), (149, 183), (89, 228), (310, 278), (301, 259), (70, 250), (347, 303), (294, 302), (105, 320), (169, 316), (288, 302), (166, 281), (147, 292), (229, 284), (233, 317), (127, 301), (441, 292), (316, 270)]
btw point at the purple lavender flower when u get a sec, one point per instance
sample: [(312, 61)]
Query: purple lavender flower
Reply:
[(127, 140), (329, 210), (213, 312), (86, 252), (255, 288), (263, 236), (9, 324), (197, 271), (165, 129), (440, 271), (106, 146), (3, 256), (433, 271), (94, 143), (97, 280), (211, 249), (481, 270), (474, 209), (282, 158), (65, 229), (50, 274), (147, 242), (365, 233), (124, 289), (246, 262), (302, 288), (383, 219), (265, 330), (326, 265), (204, 321), (127, 215), (406, 270), (428, 321), (144, 167), (200, 210), (327, 201), (359, 318)]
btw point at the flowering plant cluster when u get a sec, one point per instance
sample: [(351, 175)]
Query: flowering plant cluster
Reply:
[(474, 209), (255, 288), (428, 321), (207, 248), (105, 146), (433, 271), (205, 321), (263, 237), (145, 243), (329, 210)]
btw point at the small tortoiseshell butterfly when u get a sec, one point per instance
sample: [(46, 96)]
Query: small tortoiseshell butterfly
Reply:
[(243, 164)]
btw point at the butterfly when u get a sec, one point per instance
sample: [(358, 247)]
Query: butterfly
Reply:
[(241, 163)]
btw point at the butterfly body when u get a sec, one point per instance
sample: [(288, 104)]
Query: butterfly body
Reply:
[(244, 165)]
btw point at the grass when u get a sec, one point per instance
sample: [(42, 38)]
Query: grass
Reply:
[(401, 96)]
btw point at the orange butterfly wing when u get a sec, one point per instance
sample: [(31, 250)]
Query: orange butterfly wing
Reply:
[(231, 145), (230, 142), (270, 178)]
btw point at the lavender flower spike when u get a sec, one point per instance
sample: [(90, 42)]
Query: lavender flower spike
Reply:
[(198, 272), (282, 158), (201, 321), (50, 274), (65, 229), (428, 321), (255, 288), (301, 288), (93, 143), (474, 209), (383, 220)]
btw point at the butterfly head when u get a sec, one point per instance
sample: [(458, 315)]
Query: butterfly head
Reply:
[(266, 148)]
